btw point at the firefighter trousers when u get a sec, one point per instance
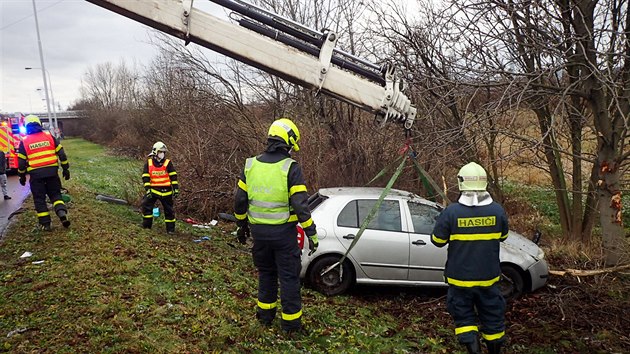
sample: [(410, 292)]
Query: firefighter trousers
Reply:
[(477, 309), (147, 211), (51, 187), (278, 258)]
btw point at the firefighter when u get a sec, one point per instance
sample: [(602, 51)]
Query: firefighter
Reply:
[(271, 197), (473, 228), (160, 183), (39, 155)]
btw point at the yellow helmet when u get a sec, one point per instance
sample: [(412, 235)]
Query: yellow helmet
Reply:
[(472, 177), (286, 130), (32, 119)]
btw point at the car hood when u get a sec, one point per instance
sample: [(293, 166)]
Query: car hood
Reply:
[(520, 242)]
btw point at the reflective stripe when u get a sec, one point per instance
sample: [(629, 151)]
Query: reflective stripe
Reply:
[(45, 213), (58, 202), (266, 306), (147, 216), (307, 223), (437, 239), (161, 194), (476, 237), (460, 330), (287, 165), (147, 184), (59, 147), (260, 203), (297, 188), (249, 162), (242, 185), (494, 336), (146, 175), (271, 216), (172, 173), (22, 156), (471, 283), (503, 237), (240, 216), (293, 218), (292, 317), (38, 154), (174, 182), (64, 162), (170, 220)]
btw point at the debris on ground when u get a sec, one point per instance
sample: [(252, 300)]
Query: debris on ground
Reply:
[(110, 199)]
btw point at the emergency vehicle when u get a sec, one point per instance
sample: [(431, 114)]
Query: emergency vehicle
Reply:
[(11, 133)]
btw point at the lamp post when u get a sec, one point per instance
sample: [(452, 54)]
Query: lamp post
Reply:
[(41, 59), (52, 98)]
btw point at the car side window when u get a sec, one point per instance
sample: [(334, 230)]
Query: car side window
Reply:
[(423, 217), (387, 217)]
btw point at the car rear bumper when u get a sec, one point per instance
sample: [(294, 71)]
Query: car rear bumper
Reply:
[(539, 272)]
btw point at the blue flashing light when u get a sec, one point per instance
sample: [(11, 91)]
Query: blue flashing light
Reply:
[(23, 130)]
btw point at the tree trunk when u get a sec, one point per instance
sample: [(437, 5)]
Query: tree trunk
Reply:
[(610, 207)]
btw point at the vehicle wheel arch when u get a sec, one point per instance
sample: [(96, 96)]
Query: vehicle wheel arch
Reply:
[(507, 269)]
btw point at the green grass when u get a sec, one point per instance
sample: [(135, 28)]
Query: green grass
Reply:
[(109, 286)]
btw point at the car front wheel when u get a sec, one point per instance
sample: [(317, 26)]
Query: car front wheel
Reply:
[(511, 284), (330, 283)]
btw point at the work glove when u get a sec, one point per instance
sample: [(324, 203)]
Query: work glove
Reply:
[(147, 192), (175, 192), (313, 242), (23, 180), (66, 174), (242, 233)]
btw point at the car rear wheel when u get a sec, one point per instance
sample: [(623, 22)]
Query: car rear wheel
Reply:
[(330, 283), (512, 283)]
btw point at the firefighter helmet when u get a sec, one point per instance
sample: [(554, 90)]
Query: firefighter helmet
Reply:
[(32, 119), (287, 131), (159, 146), (472, 177)]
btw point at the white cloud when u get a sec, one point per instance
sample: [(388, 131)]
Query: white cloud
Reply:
[(75, 36)]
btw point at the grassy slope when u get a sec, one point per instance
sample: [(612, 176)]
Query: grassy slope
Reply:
[(106, 285)]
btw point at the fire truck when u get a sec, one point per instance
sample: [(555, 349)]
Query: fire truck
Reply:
[(11, 133), (281, 47)]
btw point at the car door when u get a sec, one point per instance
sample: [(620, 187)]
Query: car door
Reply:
[(426, 262), (383, 250)]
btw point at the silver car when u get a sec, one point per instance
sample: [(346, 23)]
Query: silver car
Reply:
[(396, 247)]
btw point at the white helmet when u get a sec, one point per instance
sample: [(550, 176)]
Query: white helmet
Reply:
[(159, 146), (472, 177)]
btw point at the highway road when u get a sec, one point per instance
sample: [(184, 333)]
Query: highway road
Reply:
[(18, 193)]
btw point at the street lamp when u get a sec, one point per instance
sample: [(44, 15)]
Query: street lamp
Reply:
[(52, 96), (41, 59)]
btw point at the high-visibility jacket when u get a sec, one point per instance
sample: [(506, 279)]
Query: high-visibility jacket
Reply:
[(159, 176), (268, 192), (473, 235), (6, 142), (40, 150)]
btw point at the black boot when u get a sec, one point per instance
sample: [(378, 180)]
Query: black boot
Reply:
[(494, 347), (63, 217), (474, 347)]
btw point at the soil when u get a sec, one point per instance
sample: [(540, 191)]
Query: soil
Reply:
[(568, 315)]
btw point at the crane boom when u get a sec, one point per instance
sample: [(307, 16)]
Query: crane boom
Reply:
[(281, 47)]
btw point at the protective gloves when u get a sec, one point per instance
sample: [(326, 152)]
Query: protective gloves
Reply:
[(313, 242), (147, 192), (175, 192), (242, 233), (23, 180), (66, 174)]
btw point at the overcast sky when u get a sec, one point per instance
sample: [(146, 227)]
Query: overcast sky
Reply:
[(75, 36)]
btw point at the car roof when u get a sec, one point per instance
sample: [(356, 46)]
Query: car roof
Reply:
[(370, 192)]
